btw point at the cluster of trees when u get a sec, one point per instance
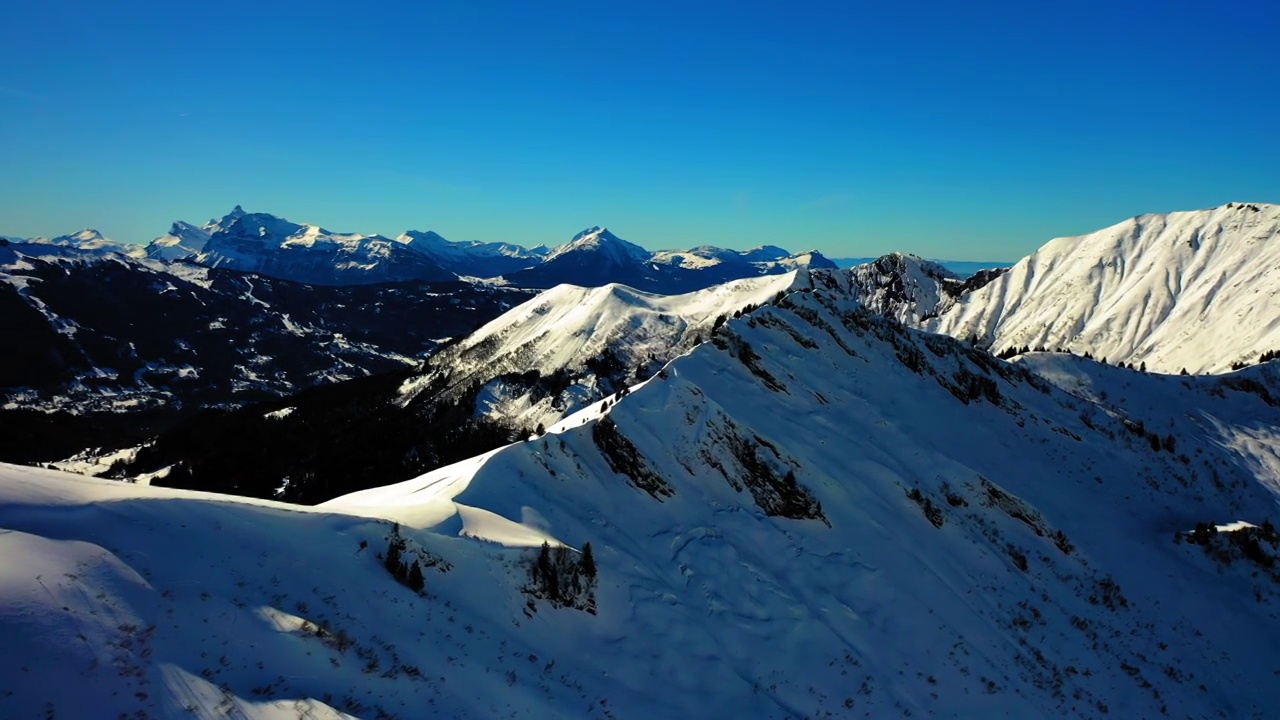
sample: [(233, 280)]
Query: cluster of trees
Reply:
[(1168, 443), (406, 572), (1011, 352), (1267, 356), (1247, 541), (563, 579)]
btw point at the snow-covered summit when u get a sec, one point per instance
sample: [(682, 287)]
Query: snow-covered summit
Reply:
[(598, 240), (90, 241), (1191, 290)]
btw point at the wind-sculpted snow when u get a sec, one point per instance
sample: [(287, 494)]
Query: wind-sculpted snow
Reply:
[(1184, 290), (816, 513)]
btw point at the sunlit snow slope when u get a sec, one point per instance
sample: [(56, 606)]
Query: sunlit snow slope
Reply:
[(597, 339), (1194, 290)]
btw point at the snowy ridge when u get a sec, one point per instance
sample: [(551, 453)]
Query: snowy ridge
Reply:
[(183, 241), (473, 258), (596, 256), (583, 333), (1193, 290)]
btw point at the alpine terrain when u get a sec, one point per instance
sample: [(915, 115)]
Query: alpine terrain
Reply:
[(817, 512), (1191, 291)]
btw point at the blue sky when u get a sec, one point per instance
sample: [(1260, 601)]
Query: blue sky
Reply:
[(959, 130)]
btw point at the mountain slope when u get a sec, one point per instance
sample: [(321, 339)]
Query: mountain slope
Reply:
[(819, 513), (1193, 290), (543, 359), (834, 503), (103, 342)]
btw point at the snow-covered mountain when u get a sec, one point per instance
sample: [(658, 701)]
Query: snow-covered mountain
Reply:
[(546, 358), (588, 342), (818, 513), (962, 269), (184, 240), (268, 245), (1183, 290), (474, 258), (86, 241), (103, 344), (597, 257)]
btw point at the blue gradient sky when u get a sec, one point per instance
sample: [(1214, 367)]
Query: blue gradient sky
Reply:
[(958, 130)]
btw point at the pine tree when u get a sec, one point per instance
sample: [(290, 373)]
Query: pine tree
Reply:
[(546, 572), (392, 561), (587, 563), (416, 582)]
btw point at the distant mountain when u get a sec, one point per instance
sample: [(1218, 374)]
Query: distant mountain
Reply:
[(960, 268), (596, 257), (184, 240), (474, 259), (268, 245), (105, 344), (1184, 290), (87, 241)]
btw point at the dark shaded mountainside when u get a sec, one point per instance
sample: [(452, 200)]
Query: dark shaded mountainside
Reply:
[(110, 349)]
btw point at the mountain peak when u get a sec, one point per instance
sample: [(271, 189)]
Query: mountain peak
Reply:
[(595, 231), (599, 239), (425, 237), (83, 236)]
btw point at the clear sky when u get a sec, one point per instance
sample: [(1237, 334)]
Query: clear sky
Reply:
[(961, 130)]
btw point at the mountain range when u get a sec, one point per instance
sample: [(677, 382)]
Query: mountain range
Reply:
[(817, 511), (267, 245), (251, 306), (758, 484)]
